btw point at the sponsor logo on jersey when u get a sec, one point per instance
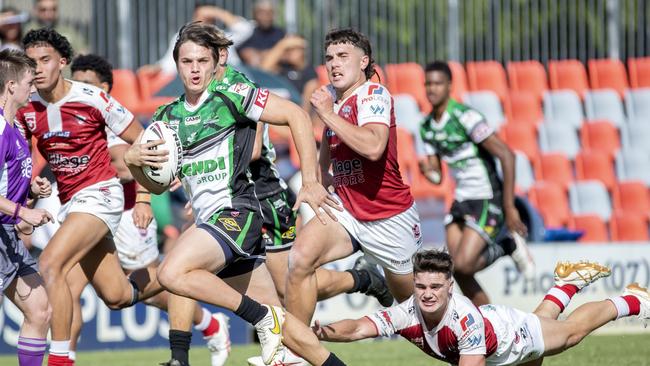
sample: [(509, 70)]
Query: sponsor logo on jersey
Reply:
[(289, 234), (377, 109), (209, 170), (372, 98), (375, 89), (240, 88), (68, 164), (30, 120), (346, 111), (26, 167), (192, 120), (347, 172), (87, 91), (104, 96), (262, 98), (329, 133), (49, 135), (235, 213), (481, 131), (466, 322), (229, 224), (475, 340), (106, 191)]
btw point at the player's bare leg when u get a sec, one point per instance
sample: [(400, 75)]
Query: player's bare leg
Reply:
[(75, 238), (330, 283), (189, 270), (570, 278), (400, 285), (298, 337), (29, 295), (561, 335), (316, 245), (467, 261), (77, 281)]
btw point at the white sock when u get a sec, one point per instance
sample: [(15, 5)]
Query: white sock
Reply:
[(60, 348), (72, 355), (205, 320)]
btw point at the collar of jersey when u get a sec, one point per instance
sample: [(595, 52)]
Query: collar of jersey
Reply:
[(202, 99)]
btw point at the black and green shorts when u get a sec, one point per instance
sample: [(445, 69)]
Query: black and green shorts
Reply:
[(485, 216), (238, 234), (279, 229)]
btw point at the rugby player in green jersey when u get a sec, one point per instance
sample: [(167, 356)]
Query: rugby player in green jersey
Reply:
[(217, 137), (483, 201)]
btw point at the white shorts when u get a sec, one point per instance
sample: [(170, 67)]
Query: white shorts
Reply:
[(136, 248), (389, 242), (520, 335), (104, 200)]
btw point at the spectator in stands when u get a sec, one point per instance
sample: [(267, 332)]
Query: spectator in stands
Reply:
[(288, 59), (238, 29), (11, 21), (46, 15), (265, 36)]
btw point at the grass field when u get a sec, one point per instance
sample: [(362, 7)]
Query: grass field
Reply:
[(620, 350)]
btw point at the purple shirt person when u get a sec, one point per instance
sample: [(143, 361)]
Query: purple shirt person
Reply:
[(19, 278), (16, 165)]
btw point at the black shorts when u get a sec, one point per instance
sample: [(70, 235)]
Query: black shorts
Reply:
[(238, 234), (15, 260), (279, 229), (484, 216)]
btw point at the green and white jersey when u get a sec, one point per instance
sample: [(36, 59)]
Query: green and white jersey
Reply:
[(456, 139), (263, 171), (216, 147)]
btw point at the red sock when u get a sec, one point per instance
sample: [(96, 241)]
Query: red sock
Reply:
[(561, 295), (55, 360), (212, 328), (626, 305)]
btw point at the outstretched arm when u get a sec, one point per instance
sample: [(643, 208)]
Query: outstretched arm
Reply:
[(347, 330)]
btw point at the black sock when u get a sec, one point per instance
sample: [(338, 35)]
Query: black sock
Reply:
[(250, 310), (179, 343), (332, 360), (491, 253), (508, 244), (134, 292), (361, 280)]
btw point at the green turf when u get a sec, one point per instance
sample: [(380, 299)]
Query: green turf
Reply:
[(624, 350)]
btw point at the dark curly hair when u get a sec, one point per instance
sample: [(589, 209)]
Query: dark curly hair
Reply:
[(49, 37), (357, 39), (433, 260), (98, 64)]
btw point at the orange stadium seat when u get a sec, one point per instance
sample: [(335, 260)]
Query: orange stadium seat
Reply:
[(556, 168), (595, 165), (522, 137), (408, 78), (639, 69), (458, 80), (632, 197), (151, 82), (608, 74), (527, 76), (593, 226), (602, 136), (488, 75), (627, 226), (552, 203), (568, 74), (410, 171), (126, 89), (524, 107)]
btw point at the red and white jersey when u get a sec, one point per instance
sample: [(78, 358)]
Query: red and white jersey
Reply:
[(462, 331), (71, 135), (370, 190)]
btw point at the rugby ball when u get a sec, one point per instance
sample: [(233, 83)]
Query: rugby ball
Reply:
[(165, 175)]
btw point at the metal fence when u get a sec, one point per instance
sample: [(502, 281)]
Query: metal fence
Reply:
[(136, 32)]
